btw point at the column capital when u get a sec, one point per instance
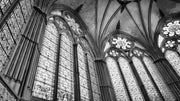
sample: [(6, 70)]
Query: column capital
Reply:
[(99, 60), (75, 44)]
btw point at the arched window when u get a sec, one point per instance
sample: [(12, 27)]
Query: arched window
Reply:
[(117, 81), (93, 78), (45, 73), (12, 28), (59, 34), (135, 66), (169, 42), (85, 96), (66, 79)]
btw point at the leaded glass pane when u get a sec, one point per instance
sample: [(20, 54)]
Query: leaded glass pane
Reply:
[(160, 40), (6, 40), (83, 74), (29, 7), (120, 91), (174, 60), (44, 80), (24, 9), (94, 78), (158, 79), (19, 16), (13, 26), (3, 58), (66, 80), (4, 4), (178, 48), (130, 80), (5, 95), (152, 92), (0, 15)]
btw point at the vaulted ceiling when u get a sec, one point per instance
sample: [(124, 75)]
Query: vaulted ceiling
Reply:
[(102, 16), (96, 13)]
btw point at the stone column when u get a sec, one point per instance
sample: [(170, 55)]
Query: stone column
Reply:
[(107, 91)]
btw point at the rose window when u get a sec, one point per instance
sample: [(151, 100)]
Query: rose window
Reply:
[(137, 52), (71, 22), (172, 28), (170, 44), (113, 53), (122, 43)]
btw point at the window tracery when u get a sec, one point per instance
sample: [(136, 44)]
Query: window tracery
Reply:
[(75, 26), (124, 50), (171, 28), (170, 32), (158, 79), (66, 69)]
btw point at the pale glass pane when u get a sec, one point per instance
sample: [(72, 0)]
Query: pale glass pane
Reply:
[(3, 59), (158, 80), (94, 78), (5, 95), (26, 8), (116, 78), (4, 4), (6, 39), (29, 6), (174, 60), (152, 92), (160, 40), (83, 74), (130, 80), (14, 26), (66, 80), (19, 17), (178, 48)]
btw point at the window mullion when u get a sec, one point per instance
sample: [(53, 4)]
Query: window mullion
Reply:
[(77, 94), (89, 78), (123, 79), (55, 91), (152, 80), (139, 81)]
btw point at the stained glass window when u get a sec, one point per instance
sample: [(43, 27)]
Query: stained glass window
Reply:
[(174, 60), (170, 32), (19, 16), (44, 80), (130, 80), (152, 92), (4, 4), (3, 59), (94, 78), (13, 26), (66, 79), (12, 29), (26, 8), (5, 95), (65, 90), (158, 79), (83, 75), (116, 78)]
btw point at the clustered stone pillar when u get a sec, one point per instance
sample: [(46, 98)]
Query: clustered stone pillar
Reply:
[(168, 73), (107, 91)]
